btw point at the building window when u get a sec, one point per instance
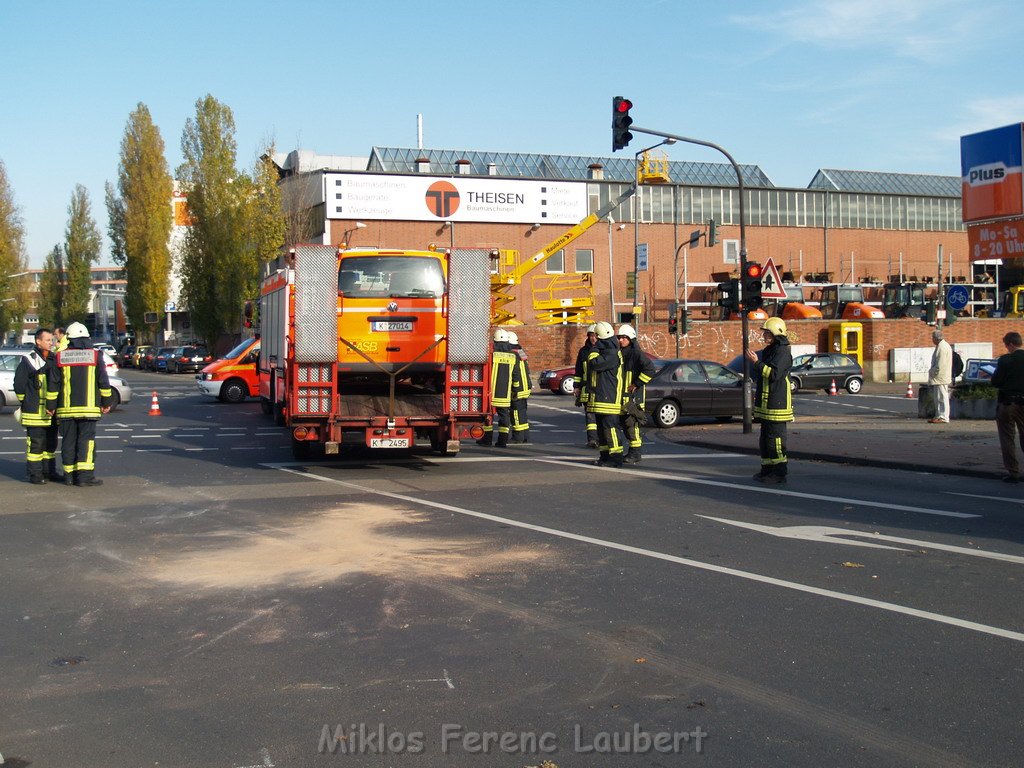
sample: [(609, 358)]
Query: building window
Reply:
[(555, 265), (585, 260), (731, 251)]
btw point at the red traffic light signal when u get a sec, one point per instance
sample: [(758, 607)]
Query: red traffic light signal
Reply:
[(754, 271), (621, 122)]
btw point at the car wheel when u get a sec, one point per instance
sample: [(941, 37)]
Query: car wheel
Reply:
[(3, 400), (723, 419), (567, 386), (853, 385), (794, 384), (233, 391), (666, 414)]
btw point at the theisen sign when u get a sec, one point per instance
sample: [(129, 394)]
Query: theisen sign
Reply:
[(437, 198), (992, 187)]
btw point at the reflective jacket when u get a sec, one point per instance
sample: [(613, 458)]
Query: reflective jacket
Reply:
[(605, 383), (78, 383), (522, 379), (503, 374), (773, 400), (579, 378), (31, 380), (639, 370)]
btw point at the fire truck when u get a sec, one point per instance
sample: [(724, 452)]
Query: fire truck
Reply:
[(382, 348)]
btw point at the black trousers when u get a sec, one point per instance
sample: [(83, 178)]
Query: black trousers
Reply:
[(773, 448), (78, 446), (41, 452)]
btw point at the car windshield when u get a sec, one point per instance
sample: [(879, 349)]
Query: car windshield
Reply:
[(380, 276), (237, 351)]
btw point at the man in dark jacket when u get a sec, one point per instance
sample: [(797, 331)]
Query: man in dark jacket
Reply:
[(1009, 380), (773, 400), (604, 394), (79, 393), (520, 398), (579, 380), (31, 380), (638, 370)]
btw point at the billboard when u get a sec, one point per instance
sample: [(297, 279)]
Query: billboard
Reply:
[(446, 198), (992, 184), (996, 239)]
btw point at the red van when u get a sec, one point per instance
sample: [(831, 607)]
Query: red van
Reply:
[(233, 377)]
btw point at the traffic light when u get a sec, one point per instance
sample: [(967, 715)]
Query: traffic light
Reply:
[(673, 324), (684, 322), (712, 233), (621, 122), (950, 313), (729, 296), (752, 286)]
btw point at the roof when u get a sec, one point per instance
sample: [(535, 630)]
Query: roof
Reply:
[(879, 183), (562, 167)]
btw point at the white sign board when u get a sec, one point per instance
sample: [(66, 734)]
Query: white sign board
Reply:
[(641, 257), (452, 198), (771, 283)]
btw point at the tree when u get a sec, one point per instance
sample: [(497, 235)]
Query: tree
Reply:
[(51, 290), (12, 258), (81, 248), (236, 222), (141, 215), (115, 224)]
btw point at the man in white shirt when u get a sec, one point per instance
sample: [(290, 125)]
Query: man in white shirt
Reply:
[(940, 376)]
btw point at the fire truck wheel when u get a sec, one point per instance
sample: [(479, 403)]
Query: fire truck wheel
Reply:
[(302, 450), (279, 414), (266, 407)]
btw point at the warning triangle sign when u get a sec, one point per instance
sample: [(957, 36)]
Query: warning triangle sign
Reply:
[(771, 283)]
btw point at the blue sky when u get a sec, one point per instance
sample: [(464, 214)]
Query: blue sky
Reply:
[(791, 85)]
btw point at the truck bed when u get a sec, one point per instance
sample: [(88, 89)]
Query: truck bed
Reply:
[(367, 401)]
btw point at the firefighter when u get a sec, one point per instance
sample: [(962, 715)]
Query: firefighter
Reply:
[(638, 370), (504, 375), (79, 393), (579, 381), (31, 380), (60, 339), (773, 402), (520, 398), (604, 394)]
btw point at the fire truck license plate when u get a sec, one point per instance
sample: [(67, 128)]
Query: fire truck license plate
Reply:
[(389, 442), (392, 325)]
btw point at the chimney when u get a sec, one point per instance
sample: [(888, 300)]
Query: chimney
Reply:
[(422, 165), (596, 171), (492, 169), (463, 167)]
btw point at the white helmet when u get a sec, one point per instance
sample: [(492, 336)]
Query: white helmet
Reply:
[(592, 328), (500, 334), (77, 331), (513, 337), (627, 330), (604, 330)]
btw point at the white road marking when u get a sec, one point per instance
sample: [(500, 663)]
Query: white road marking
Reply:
[(140, 437), (248, 448), (110, 450), (201, 449), (824, 533), (153, 450), (796, 494), (158, 429), (796, 586), (982, 496)]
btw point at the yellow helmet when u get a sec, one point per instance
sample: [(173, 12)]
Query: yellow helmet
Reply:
[(776, 326)]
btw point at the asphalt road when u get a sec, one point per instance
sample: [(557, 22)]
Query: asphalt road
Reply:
[(217, 604)]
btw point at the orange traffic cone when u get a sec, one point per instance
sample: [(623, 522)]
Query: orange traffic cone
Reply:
[(910, 390), (832, 388), (154, 407)]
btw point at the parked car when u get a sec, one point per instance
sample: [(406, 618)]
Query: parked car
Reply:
[(192, 359), (693, 388), (9, 362), (819, 370), (558, 380), (159, 362), (139, 356), (124, 357)]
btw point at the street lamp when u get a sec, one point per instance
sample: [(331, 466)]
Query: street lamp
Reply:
[(745, 321)]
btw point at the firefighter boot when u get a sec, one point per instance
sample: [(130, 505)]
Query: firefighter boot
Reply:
[(524, 436), (633, 457), (615, 460), (502, 440), (602, 460), (52, 473), (487, 439)]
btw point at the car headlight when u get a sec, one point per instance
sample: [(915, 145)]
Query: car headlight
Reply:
[(207, 376)]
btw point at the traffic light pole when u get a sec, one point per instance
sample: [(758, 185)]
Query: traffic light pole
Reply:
[(747, 396)]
